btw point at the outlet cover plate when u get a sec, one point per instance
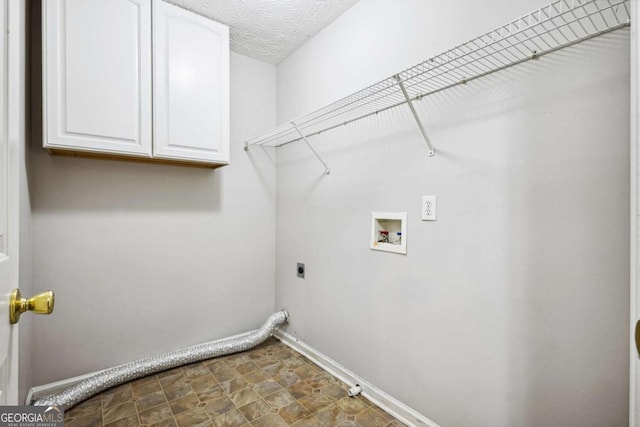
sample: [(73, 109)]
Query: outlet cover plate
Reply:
[(429, 205)]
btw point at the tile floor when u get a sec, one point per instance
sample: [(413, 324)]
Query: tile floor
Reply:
[(268, 386)]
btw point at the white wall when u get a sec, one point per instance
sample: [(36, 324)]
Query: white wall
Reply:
[(512, 308), (148, 258)]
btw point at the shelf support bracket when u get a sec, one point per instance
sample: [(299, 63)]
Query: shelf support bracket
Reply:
[(415, 115), (327, 171)]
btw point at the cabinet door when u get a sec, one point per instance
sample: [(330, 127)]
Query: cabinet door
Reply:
[(97, 75), (191, 86)]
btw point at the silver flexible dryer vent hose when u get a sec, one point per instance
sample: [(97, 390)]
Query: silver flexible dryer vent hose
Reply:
[(130, 371)]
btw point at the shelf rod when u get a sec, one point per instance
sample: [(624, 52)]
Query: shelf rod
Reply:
[(415, 115), (327, 171)]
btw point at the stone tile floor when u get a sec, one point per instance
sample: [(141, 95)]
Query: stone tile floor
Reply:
[(268, 386)]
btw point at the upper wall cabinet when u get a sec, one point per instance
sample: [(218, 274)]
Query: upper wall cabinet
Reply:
[(191, 85), (103, 95), (98, 75)]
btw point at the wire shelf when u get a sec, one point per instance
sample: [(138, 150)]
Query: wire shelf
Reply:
[(560, 24)]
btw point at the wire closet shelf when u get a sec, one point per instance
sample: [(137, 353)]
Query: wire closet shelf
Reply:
[(560, 24)]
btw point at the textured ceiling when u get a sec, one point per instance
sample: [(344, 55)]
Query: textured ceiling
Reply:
[(269, 30)]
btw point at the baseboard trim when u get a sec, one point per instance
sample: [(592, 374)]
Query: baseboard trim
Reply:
[(37, 392), (386, 402)]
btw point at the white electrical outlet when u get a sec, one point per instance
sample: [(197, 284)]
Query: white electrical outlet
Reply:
[(428, 208)]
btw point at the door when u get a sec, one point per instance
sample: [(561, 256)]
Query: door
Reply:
[(97, 75), (190, 86), (11, 144)]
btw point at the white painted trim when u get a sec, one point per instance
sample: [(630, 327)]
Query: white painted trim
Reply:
[(37, 392), (383, 400), (13, 109), (634, 406)]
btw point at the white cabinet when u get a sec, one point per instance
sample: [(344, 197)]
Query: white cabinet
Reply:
[(98, 75), (104, 95), (191, 85)]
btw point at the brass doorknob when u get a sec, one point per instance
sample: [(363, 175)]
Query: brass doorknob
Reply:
[(40, 304)]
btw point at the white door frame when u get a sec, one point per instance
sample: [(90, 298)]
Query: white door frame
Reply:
[(634, 382), (13, 134), (16, 112)]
